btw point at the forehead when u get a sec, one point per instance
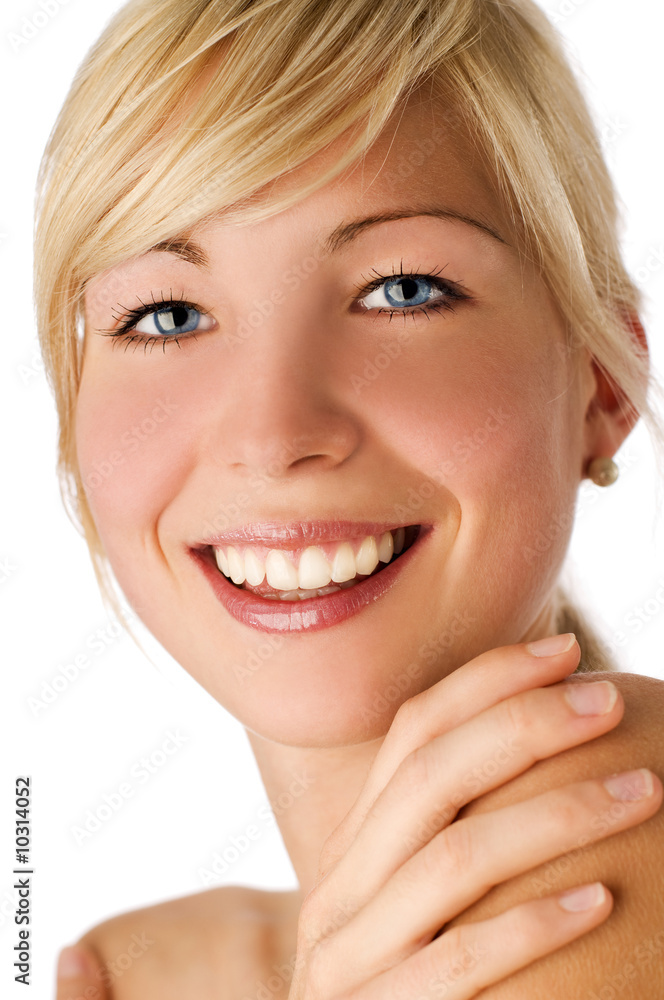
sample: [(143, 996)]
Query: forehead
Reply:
[(425, 161), (425, 158)]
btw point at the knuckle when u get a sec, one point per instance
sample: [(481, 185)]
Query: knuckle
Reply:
[(564, 810), (520, 718), (453, 943), (331, 852), (404, 715), (320, 972), (321, 917), (417, 771), (311, 917), (452, 852), (526, 929), (445, 964)]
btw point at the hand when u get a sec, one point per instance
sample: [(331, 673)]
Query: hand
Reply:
[(398, 867), (80, 975)]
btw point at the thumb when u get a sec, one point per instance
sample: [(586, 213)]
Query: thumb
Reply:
[(79, 975)]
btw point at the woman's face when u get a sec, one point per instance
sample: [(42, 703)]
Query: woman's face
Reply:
[(303, 401)]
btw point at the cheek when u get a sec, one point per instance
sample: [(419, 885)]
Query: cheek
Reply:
[(488, 431), (478, 419), (131, 454)]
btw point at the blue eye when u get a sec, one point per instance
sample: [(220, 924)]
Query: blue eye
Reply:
[(403, 291), (163, 322), (406, 294), (175, 319)]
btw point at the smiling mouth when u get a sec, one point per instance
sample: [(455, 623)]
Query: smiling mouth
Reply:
[(282, 574)]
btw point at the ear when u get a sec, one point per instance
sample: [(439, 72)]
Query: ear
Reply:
[(609, 416)]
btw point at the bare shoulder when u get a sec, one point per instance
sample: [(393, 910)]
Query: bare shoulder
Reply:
[(624, 956), (213, 945)]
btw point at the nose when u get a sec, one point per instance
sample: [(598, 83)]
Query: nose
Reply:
[(283, 407)]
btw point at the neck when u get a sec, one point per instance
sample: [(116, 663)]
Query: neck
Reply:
[(311, 789)]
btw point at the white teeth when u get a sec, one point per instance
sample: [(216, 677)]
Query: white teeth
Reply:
[(386, 547), (315, 575), (253, 568), (280, 572), (314, 570), (343, 567), (366, 559), (235, 565), (222, 561)]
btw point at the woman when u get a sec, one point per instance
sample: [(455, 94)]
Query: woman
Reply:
[(257, 190)]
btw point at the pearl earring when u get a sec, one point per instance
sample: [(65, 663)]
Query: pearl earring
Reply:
[(603, 471)]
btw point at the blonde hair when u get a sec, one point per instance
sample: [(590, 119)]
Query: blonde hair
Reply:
[(158, 132)]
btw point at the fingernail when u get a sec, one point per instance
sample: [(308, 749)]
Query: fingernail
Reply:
[(630, 786), (596, 698), (73, 962), (584, 898), (552, 645)]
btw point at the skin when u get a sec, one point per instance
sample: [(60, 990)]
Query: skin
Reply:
[(321, 449)]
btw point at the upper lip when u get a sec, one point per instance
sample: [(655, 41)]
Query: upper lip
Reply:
[(295, 534)]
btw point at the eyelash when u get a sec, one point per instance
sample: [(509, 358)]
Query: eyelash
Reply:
[(130, 317), (452, 292)]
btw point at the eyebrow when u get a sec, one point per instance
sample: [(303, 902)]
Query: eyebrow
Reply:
[(344, 234), (348, 231), (183, 248)]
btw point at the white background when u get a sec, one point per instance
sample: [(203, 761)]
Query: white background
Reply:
[(120, 708)]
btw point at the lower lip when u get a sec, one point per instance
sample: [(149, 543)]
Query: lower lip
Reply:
[(309, 615)]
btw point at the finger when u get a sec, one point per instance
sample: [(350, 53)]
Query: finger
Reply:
[(468, 858), (467, 959), (480, 683), (79, 975), (439, 778)]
